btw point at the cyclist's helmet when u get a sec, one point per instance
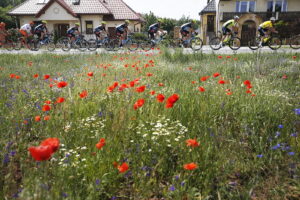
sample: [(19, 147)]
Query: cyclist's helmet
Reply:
[(272, 19), (103, 22), (44, 22), (127, 21), (236, 17), (159, 20), (77, 24), (194, 21)]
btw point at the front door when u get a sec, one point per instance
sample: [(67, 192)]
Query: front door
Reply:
[(61, 29), (248, 32)]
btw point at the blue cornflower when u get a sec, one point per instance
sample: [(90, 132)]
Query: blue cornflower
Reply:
[(176, 177), (260, 156), (297, 111), (182, 183), (277, 134), (98, 181), (172, 188), (276, 147), (63, 194), (294, 134), (280, 126), (291, 153)]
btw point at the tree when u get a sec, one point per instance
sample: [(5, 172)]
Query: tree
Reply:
[(150, 19)]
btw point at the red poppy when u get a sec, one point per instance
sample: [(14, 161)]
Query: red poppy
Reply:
[(132, 83), (50, 85), (62, 84), (204, 78), (35, 76), (294, 57), (172, 99), (284, 76), (47, 102), (29, 63), (190, 166), (140, 89), (247, 82), (41, 153), (229, 93), (228, 56), (52, 142), (17, 77), (220, 57), (160, 98), (12, 75), (83, 94), (221, 82), (115, 164), (122, 87), (160, 84), (100, 144), (139, 103), (216, 74), (46, 118), (60, 100), (249, 86), (46, 108), (149, 74), (47, 76), (192, 143), (123, 168), (152, 92), (248, 91), (90, 74), (201, 89), (193, 82), (37, 118)]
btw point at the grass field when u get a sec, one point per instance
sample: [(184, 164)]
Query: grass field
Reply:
[(163, 126)]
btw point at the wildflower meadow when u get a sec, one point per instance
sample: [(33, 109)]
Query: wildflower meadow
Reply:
[(150, 126)]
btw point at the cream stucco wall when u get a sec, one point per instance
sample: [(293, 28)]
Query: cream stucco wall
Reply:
[(56, 12), (261, 5)]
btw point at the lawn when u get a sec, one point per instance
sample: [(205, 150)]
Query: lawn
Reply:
[(150, 126)]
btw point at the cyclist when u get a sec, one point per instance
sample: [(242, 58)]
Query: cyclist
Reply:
[(100, 31), (41, 30), (73, 31), (3, 33), (154, 28), (122, 31), (266, 28), (187, 29), (229, 27), (27, 30)]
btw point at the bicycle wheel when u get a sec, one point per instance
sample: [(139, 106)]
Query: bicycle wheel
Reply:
[(235, 43), (114, 44), (131, 45), (19, 44), (92, 45), (146, 45), (66, 44), (196, 44), (295, 42), (275, 43), (106, 45), (215, 43), (254, 43), (51, 45), (34, 45), (8, 45)]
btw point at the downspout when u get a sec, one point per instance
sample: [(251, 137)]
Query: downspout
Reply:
[(79, 16)]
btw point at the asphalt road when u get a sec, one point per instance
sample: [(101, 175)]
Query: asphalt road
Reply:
[(205, 49)]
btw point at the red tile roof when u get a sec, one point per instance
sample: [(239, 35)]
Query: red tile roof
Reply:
[(116, 8)]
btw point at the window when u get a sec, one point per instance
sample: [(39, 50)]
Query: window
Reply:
[(210, 23), (277, 6), (89, 27), (245, 6)]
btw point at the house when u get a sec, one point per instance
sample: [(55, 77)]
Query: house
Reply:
[(62, 14), (252, 13)]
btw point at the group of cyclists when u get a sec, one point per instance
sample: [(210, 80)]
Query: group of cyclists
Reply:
[(230, 27)]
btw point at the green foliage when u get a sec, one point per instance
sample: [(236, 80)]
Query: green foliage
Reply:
[(10, 21)]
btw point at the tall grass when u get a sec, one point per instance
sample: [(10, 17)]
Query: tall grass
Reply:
[(243, 152)]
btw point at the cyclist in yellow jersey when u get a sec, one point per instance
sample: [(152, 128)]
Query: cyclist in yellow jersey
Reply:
[(229, 27), (266, 28)]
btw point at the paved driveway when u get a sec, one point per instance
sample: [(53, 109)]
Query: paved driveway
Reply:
[(205, 49)]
